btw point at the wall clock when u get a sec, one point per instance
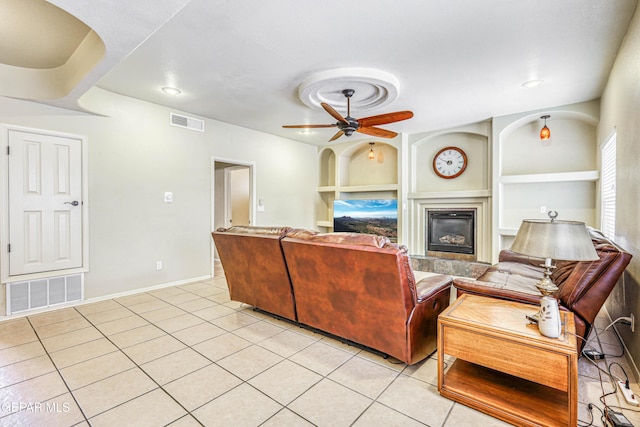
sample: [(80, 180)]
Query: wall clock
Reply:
[(450, 162)]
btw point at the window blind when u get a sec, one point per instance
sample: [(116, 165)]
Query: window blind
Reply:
[(608, 190)]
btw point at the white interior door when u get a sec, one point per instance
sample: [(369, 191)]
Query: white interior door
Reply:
[(45, 203)]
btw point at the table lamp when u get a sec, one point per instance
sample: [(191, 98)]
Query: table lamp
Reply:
[(552, 240)]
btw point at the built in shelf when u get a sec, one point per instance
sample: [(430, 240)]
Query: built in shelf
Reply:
[(327, 189), (507, 231), (450, 194), (591, 175), (324, 223), (368, 188)]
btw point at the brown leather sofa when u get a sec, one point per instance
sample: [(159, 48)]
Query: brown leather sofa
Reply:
[(255, 268), (355, 286), (583, 286)]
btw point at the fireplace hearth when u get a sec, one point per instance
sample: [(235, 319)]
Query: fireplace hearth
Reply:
[(451, 231)]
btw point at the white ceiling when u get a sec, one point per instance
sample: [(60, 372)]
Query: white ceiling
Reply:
[(457, 61)]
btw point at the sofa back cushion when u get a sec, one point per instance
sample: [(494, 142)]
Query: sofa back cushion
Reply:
[(585, 287), (255, 267), (359, 287)]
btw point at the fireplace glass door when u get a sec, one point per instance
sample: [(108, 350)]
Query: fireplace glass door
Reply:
[(451, 231)]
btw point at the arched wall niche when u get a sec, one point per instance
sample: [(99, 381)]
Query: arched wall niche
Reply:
[(360, 170), (475, 177), (327, 167), (533, 177)]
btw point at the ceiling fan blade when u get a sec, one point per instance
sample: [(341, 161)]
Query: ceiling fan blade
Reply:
[(382, 133), (336, 136), (308, 126), (329, 109), (385, 118)]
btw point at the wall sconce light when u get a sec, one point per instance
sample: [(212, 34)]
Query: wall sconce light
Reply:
[(545, 133), (372, 155)]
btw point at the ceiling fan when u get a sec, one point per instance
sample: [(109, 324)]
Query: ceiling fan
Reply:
[(367, 125)]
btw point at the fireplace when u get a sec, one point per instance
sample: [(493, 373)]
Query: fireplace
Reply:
[(451, 231)]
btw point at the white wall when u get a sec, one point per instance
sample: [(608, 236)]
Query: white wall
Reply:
[(620, 110), (135, 156)]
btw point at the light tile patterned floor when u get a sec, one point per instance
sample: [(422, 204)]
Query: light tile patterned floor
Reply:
[(188, 356)]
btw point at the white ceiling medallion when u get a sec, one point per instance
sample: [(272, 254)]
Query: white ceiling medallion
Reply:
[(373, 88)]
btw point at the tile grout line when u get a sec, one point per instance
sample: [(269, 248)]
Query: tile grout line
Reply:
[(141, 369), (59, 373), (187, 346)]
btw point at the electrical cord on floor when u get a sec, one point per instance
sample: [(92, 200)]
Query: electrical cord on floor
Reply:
[(619, 342), (613, 379), (590, 407)]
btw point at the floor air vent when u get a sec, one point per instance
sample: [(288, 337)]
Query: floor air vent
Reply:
[(42, 293), (187, 122)]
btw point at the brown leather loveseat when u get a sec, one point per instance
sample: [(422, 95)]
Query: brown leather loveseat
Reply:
[(355, 286), (583, 286)]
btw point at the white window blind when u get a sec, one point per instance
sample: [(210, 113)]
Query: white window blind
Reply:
[(608, 191)]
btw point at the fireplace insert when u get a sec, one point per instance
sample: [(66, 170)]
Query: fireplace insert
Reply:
[(451, 231)]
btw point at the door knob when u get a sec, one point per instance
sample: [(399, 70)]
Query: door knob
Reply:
[(74, 203)]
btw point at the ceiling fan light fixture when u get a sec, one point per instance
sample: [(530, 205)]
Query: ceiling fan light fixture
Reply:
[(348, 125), (372, 155), (545, 133)]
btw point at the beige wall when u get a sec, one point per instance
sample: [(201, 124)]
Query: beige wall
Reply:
[(135, 156), (620, 110)]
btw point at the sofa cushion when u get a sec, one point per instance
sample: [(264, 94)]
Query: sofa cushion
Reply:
[(513, 276)]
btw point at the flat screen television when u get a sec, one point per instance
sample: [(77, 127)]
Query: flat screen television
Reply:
[(378, 216)]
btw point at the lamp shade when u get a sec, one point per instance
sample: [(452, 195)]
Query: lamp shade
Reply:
[(558, 240)]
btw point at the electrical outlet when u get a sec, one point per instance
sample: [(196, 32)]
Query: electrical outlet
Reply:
[(158, 265)]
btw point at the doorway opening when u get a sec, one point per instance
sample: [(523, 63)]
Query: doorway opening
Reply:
[(233, 188)]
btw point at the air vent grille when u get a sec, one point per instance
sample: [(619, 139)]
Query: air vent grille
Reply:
[(46, 292), (186, 122)]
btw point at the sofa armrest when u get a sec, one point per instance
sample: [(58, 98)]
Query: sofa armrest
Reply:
[(494, 290), (429, 286)]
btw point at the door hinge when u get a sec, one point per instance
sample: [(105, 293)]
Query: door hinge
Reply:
[(8, 149), (9, 248)]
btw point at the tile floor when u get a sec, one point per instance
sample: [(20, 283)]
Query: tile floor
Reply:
[(188, 356)]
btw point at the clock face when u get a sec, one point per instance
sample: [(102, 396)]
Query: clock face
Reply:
[(450, 162)]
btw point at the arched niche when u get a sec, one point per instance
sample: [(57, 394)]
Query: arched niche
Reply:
[(571, 148), (476, 175), (327, 167), (358, 170)]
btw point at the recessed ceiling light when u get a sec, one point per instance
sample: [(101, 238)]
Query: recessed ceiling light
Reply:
[(171, 90), (532, 83)]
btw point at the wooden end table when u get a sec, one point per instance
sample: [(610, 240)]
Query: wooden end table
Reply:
[(504, 367)]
